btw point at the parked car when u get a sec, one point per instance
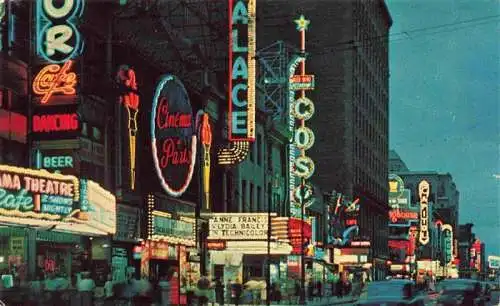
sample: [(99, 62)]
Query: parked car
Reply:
[(460, 292), (392, 293)]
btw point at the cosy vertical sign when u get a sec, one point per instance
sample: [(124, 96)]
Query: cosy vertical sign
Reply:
[(173, 137), (242, 47), (424, 192)]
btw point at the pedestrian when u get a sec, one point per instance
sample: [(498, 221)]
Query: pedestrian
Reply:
[(319, 289), (164, 286), (219, 291), (236, 291), (298, 290), (86, 288), (108, 287)]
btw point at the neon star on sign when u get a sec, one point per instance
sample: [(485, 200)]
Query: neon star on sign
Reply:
[(302, 23)]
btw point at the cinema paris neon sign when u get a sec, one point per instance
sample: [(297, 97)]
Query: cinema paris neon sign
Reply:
[(173, 136)]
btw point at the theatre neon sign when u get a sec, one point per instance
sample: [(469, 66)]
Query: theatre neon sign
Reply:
[(424, 192)]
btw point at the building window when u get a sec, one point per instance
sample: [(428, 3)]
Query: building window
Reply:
[(270, 156), (252, 196), (259, 199), (259, 149), (244, 194)]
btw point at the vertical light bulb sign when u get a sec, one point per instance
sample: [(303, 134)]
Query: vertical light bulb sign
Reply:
[(423, 193), (301, 109), (173, 136), (447, 231), (58, 41), (241, 82), (129, 98)]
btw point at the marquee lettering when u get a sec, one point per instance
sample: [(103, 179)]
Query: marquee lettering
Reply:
[(55, 123), (20, 201), (54, 79), (242, 73)]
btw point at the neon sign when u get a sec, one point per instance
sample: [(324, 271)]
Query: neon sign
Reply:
[(206, 140), (173, 139), (447, 231), (130, 100), (58, 38), (56, 162), (242, 70), (395, 215), (54, 79), (36, 194), (424, 192), (55, 123)]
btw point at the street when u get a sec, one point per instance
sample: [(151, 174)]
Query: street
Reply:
[(495, 298)]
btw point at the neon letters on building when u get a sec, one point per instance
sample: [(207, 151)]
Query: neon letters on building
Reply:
[(242, 46), (28, 193), (13, 126), (395, 215), (55, 123), (55, 79), (130, 100), (300, 110), (206, 140), (447, 231), (173, 137), (424, 193), (58, 38)]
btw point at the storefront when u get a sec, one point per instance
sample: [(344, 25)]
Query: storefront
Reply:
[(48, 221), (170, 240), (125, 241), (238, 248)]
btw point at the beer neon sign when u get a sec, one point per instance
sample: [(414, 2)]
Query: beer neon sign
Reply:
[(55, 79), (58, 39), (424, 192), (130, 100), (173, 138)]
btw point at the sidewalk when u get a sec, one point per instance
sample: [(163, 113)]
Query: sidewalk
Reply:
[(349, 300)]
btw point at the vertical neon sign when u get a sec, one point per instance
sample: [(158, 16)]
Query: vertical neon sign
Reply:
[(300, 110), (130, 100), (58, 39), (447, 231), (424, 192), (206, 141), (241, 80)]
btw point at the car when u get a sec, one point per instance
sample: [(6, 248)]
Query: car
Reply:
[(391, 293), (460, 292)]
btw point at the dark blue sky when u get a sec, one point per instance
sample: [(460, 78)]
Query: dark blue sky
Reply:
[(444, 109)]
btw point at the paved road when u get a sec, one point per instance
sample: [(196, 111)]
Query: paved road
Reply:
[(495, 298)]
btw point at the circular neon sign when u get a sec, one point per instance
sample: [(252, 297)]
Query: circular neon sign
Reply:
[(173, 137)]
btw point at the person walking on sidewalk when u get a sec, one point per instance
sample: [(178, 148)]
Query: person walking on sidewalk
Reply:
[(219, 291)]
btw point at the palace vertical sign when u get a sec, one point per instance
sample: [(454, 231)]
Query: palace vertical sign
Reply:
[(242, 47), (424, 192)]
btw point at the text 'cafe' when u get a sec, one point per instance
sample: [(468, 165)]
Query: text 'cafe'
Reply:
[(47, 221)]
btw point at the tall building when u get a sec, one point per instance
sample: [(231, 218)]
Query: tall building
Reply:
[(347, 48), (465, 240), (396, 164), (444, 195)]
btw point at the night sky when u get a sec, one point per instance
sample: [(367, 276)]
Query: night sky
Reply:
[(444, 109)]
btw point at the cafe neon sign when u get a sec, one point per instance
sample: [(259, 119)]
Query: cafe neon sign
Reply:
[(55, 79), (242, 72), (424, 192)]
